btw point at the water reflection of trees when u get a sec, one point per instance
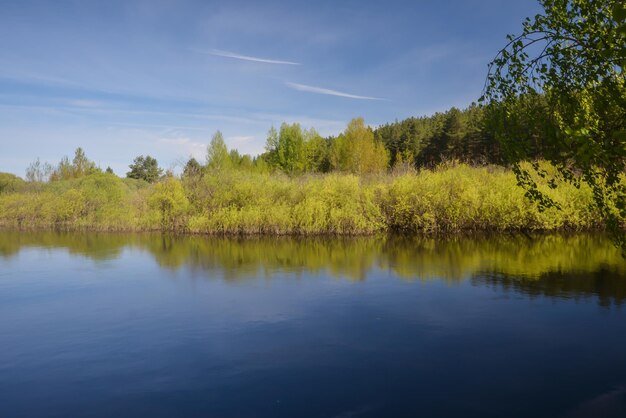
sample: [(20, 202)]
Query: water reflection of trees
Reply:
[(96, 246), (606, 283), (552, 265)]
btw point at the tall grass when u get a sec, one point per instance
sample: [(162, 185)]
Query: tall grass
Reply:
[(450, 198)]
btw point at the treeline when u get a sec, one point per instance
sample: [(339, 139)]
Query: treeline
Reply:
[(461, 135), (295, 150), (79, 166), (468, 135)]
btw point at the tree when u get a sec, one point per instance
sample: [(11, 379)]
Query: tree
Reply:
[(217, 153), (109, 170), (356, 150), (480, 146), (38, 172), (246, 162), (192, 168), (145, 168), (452, 138), (574, 56), (271, 147), (235, 157), (403, 163), (81, 165), (64, 170), (291, 157), (285, 149), (315, 152)]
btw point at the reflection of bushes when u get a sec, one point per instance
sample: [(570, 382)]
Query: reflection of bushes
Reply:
[(248, 257), (96, 246), (553, 265), (457, 258), (451, 198), (411, 258)]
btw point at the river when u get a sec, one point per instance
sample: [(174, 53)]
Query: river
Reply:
[(119, 325)]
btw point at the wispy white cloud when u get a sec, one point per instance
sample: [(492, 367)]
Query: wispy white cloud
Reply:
[(328, 92), (228, 54)]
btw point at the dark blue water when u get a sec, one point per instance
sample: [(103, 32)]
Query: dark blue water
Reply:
[(103, 326)]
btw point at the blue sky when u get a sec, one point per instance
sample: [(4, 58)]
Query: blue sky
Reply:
[(159, 77)]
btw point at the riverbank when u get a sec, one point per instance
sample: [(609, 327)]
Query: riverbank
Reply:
[(452, 198)]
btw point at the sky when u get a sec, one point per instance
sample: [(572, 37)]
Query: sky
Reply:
[(159, 77)]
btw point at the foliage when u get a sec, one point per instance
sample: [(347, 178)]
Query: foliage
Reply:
[(79, 166), (286, 149), (574, 56), (316, 153), (38, 172), (271, 147), (145, 168), (464, 135), (96, 201), (10, 183), (291, 148), (192, 168), (294, 150), (217, 156), (453, 197), (356, 151), (168, 199)]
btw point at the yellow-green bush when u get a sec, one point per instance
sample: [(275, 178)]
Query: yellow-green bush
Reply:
[(450, 198), (10, 183), (98, 201), (168, 204), (460, 197)]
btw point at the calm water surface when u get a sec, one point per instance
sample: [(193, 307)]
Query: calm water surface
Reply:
[(146, 325)]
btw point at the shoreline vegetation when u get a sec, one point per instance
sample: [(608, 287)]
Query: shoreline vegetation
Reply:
[(451, 198), (411, 177)]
